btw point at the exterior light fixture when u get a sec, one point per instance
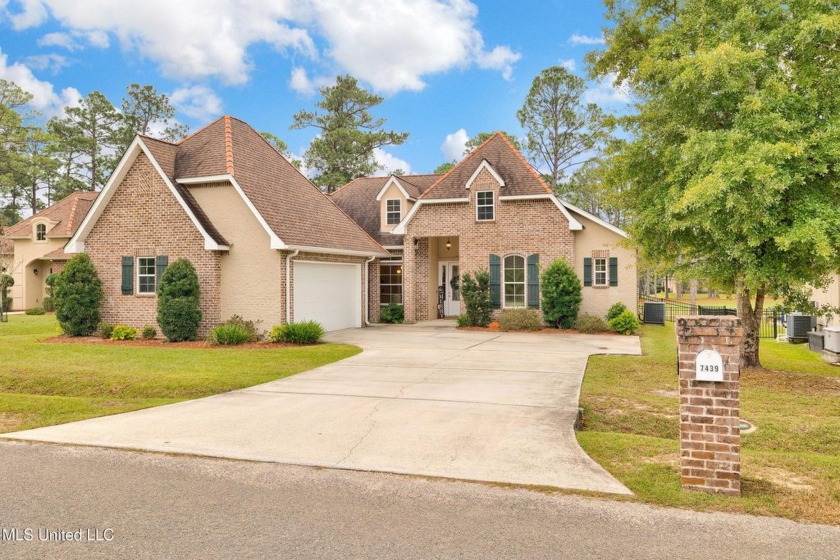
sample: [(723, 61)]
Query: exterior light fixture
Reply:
[(448, 244)]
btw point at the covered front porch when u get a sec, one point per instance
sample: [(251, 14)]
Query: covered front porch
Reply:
[(432, 281)]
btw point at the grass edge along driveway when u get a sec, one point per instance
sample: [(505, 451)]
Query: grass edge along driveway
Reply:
[(790, 466), (43, 384)]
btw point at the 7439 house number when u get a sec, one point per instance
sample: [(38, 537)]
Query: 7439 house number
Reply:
[(709, 366)]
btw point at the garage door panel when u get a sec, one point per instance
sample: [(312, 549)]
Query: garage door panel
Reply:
[(329, 293)]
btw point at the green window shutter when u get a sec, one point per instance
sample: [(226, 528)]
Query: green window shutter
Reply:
[(613, 271), (496, 281), (534, 280), (127, 276), (587, 271), (161, 262)]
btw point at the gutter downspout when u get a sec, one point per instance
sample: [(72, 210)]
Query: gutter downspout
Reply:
[(367, 290), (289, 284)]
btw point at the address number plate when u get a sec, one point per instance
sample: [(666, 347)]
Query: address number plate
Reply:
[(709, 366)]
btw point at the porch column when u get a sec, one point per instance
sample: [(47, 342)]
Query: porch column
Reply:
[(409, 280)]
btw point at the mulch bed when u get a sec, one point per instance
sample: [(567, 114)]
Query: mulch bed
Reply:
[(541, 331), (161, 343)]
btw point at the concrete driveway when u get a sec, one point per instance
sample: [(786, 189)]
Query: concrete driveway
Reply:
[(424, 399)]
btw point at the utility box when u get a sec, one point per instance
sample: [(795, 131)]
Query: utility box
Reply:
[(654, 313), (816, 341), (798, 326), (831, 339)]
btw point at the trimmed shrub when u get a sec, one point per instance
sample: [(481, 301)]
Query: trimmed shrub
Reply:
[(6, 282), (105, 330), (626, 323), (305, 332), (561, 294), (394, 313), (178, 312), (49, 300), (123, 332), (228, 334), (78, 295), (149, 332), (463, 321), (477, 298), (35, 311), (587, 323), (616, 310), (520, 320), (49, 304), (249, 327)]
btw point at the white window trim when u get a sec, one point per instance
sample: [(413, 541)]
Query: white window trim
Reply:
[(606, 282), (492, 205), (153, 275), (398, 211), (524, 281)]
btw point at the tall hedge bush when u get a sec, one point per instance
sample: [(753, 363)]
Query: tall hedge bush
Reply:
[(561, 294), (77, 296), (477, 298), (6, 282), (178, 311)]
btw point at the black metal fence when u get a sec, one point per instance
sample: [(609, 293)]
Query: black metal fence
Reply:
[(772, 322)]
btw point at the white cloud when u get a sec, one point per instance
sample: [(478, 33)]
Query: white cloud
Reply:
[(569, 64), (52, 62), (301, 83), (391, 44), (32, 14), (454, 145), (58, 39), (578, 39), (71, 41), (607, 92), (198, 102), (44, 97), (389, 162)]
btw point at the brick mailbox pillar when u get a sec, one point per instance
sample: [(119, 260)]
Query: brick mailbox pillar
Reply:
[(709, 371)]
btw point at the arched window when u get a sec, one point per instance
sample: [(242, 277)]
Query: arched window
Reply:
[(40, 232), (514, 281)]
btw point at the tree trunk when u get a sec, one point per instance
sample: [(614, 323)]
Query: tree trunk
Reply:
[(679, 289), (692, 294), (751, 321)]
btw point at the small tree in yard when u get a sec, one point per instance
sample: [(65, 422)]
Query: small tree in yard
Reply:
[(178, 312), (561, 295), (77, 297), (477, 298)]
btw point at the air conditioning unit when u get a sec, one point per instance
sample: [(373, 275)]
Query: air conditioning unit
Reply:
[(831, 339), (799, 325)]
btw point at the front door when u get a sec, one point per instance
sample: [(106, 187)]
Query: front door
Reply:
[(449, 282)]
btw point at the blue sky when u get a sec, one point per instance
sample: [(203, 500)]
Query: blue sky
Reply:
[(448, 69)]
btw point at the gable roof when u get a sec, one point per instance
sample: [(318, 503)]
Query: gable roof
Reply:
[(286, 202), (358, 199), (520, 178), (67, 212)]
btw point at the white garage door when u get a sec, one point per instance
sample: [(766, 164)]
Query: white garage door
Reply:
[(329, 293)]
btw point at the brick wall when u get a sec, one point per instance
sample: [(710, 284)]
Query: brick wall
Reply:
[(710, 437), (143, 218), (521, 227)]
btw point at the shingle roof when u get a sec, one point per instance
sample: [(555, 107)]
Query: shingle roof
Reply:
[(68, 212), (358, 200), (519, 176)]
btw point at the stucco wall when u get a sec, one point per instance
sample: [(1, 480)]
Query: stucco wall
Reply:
[(521, 227), (251, 272), (28, 290), (596, 238), (392, 193), (143, 218), (828, 296)]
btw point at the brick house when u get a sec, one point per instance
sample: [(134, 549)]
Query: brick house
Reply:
[(37, 247), (266, 243), (494, 212)]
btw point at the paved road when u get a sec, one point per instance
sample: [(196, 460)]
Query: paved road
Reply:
[(426, 400), (161, 506)]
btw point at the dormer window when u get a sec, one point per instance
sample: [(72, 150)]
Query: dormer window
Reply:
[(393, 212), (40, 232), (484, 208)]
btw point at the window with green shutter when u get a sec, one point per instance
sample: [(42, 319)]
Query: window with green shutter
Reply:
[(127, 276)]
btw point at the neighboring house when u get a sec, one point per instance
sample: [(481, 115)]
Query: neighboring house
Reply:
[(266, 243), (492, 212), (38, 243)]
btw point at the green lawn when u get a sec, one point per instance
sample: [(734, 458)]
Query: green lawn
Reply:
[(790, 465), (45, 383)]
